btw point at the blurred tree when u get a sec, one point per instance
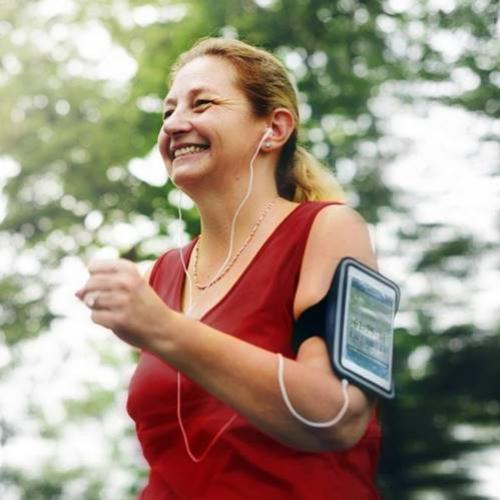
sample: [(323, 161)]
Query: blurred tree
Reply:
[(72, 127)]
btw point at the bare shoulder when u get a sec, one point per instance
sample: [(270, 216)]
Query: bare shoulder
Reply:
[(337, 231)]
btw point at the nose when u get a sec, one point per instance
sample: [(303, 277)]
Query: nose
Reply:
[(176, 123)]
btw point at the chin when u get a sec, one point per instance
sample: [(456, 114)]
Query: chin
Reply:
[(186, 179)]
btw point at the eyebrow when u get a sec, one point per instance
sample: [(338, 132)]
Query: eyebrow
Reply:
[(191, 93)]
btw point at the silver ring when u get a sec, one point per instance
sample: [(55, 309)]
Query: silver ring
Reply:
[(91, 299)]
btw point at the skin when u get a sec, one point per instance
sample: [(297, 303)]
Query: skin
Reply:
[(236, 372)]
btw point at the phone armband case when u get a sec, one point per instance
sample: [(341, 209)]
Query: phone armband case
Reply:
[(356, 320)]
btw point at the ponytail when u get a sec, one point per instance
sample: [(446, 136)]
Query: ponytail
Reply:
[(313, 181), (301, 177)]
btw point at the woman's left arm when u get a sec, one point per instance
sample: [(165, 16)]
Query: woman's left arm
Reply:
[(240, 374)]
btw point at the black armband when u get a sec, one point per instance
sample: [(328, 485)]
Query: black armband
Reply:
[(309, 324), (356, 321)]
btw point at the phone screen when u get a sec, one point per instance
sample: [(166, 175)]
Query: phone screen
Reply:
[(368, 328)]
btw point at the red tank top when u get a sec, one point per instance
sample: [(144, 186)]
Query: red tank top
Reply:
[(244, 463)]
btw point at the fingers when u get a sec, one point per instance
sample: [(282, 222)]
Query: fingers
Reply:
[(103, 317), (100, 271), (99, 301), (107, 275), (103, 266), (90, 299), (100, 282), (109, 266), (94, 285), (112, 283)]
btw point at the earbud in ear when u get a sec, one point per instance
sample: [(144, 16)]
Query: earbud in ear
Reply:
[(268, 132)]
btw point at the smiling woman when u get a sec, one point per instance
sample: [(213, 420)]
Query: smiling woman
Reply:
[(205, 396), (207, 125)]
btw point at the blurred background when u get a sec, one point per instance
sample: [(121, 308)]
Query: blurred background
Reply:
[(399, 97)]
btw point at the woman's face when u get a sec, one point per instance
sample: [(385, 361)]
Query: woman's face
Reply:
[(209, 129)]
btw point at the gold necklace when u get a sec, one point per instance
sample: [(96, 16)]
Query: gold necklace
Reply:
[(230, 265)]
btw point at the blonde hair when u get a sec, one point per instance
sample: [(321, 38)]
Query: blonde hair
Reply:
[(265, 82)]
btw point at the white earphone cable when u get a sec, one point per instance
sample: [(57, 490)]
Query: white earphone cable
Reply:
[(186, 273), (296, 414), (191, 305)]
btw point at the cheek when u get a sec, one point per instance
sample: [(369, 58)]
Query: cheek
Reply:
[(163, 142)]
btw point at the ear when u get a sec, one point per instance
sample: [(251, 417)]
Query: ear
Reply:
[(282, 124)]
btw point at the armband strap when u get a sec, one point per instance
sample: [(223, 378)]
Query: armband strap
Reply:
[(309, 324)]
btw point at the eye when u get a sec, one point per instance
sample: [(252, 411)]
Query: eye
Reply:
[(167, 113), (202, 103)]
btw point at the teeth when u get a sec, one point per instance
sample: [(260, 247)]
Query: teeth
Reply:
[(188, 150)]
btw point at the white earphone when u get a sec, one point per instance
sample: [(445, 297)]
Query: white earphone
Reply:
[(268, 132)]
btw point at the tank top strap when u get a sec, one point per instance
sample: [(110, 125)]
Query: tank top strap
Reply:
[(167, 273), (281, 262), (301, 221), (289, 240)]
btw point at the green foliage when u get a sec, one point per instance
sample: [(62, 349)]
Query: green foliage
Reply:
[(98, 400), (434, 258), (420, 424), (50, 484), (24, 308)]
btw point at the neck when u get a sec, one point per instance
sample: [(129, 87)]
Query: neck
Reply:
[(217, 220), (217, 205)]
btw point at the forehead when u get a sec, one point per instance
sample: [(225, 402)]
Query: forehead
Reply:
[(204, 73)]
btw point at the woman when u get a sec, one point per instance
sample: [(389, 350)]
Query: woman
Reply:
[(205, 397)]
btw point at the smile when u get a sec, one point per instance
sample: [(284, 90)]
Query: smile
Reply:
[(186, 150)]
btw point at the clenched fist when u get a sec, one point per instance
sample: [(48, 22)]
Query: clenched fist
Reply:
[(121, 300)]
